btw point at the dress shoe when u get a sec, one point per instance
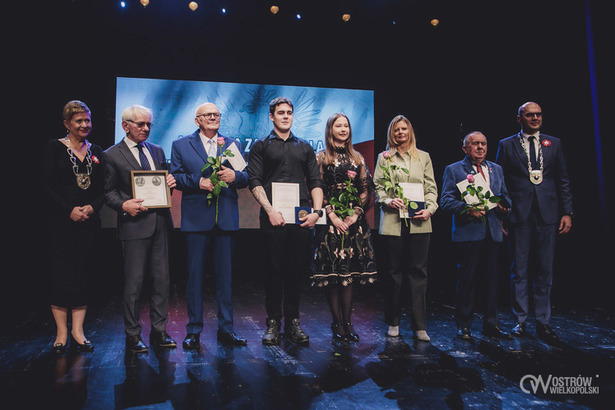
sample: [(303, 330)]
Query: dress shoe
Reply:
[(59, 348), (338, 331), (422, 336), (547, 335), (231, 339), (272, 334), (86, 346), (192, 341), (162, 339), (519, 330), (464, 334), (294, 333), (352, 335), (496, 332), (135, 344)]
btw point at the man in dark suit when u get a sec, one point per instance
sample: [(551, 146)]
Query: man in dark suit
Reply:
[(210, 225), (537, 179), (477, 233), (143, 232)]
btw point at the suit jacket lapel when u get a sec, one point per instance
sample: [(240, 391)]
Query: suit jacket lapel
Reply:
[(468, 166), (197, 144), (517, 141), (130, 158)]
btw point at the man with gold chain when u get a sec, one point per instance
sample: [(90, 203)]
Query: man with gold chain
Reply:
[(537, 180)]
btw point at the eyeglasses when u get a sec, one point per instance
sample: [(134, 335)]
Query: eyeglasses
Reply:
[(533, 114), (210, 115), (142, 124)]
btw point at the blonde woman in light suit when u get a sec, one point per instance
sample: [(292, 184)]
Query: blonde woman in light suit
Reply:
[(405, 242)]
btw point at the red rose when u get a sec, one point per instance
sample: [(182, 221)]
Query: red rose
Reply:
[(546, 143)]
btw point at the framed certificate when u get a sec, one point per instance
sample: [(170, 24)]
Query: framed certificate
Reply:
[(152, 188)]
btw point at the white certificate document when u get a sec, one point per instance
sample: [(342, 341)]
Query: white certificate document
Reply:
[(151, 186), (413, 192), (478, 181), (237, 162), (285, 197)]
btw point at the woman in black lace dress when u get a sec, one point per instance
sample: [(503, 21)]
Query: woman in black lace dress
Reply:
[(345, 254), (74, 184)]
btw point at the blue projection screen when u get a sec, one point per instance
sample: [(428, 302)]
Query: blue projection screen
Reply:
[(245, 116)]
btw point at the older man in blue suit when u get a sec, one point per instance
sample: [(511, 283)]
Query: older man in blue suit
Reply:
[(535, 172), (477, 233), (210, 226)]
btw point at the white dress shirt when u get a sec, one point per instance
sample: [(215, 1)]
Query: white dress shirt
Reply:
[(210, 144), (525, 140), (135, 151)]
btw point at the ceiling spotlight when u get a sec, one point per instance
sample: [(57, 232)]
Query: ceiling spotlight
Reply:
[(223, 11), (274, 9), (346, 17), (298, 16), (435, 22), (193, 5), (144, 2), (123, 4)]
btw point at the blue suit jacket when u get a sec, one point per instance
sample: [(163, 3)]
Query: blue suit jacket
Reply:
[(188, 156), (466, 228), (553, 195)]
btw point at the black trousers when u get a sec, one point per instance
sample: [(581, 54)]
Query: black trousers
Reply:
[(288, 263), (478, 269), (406, 265)]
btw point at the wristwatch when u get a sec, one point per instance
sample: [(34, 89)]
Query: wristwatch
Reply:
[(317, 212)]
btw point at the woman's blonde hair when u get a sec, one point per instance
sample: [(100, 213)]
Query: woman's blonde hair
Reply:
[(391, 143), (74, 107)]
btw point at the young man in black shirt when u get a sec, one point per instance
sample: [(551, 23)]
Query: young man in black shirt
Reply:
[(282, 157)]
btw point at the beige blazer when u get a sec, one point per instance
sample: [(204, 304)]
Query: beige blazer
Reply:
[(421, 171)]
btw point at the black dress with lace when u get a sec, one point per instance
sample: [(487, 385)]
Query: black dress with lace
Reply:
[(343, 259)]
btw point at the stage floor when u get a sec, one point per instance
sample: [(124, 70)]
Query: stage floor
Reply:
[(375, 373)]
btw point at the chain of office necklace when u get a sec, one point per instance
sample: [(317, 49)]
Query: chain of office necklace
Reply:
[(538, 178), (83, 180)]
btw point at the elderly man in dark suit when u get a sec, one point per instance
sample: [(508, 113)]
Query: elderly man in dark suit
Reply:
[(143, 232), (210, 225), (477, 234), (537, 179)]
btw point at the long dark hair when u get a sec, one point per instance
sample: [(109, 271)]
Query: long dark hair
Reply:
[(330, 148)]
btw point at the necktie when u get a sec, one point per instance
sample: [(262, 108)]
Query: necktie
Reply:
[(479, 167), (143, 159), (533, 161), (211, 147)]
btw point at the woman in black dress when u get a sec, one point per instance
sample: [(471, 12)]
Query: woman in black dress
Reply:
[(74, 183), (345, 254)]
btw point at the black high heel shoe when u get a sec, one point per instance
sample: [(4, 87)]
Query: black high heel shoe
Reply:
[(351, 334), (59, 348), (338, 331), (86, 346)]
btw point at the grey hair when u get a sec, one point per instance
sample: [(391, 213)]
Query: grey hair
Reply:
[(130, 112)]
